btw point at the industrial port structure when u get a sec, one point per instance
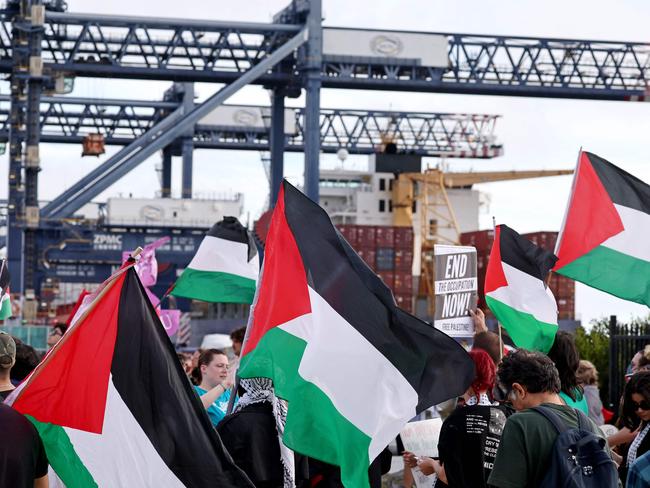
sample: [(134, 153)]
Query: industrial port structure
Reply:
[(42, 47)]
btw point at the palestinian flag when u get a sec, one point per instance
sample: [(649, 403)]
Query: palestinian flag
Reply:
[(113, 405), (5, 305), (224, 269), (353, 367), (604, 238), (516, 292)]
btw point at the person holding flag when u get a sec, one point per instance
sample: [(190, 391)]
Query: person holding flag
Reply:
[(352, 366), (113, 405)]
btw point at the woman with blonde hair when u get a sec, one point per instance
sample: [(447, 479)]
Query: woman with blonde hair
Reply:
[(587, 376)]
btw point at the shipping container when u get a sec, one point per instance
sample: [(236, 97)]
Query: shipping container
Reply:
[(350, 233), (388, 277), (368, 255), (403, 282), (403, 259), (480, 239), (404, 237), (385, 236), (366, 236), (385, 259)]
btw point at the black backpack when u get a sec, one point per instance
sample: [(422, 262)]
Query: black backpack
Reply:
[(579, 458)]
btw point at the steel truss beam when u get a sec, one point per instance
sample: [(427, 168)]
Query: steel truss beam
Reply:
[(68, 120), (190, 50), (513, 66), (156, 138)]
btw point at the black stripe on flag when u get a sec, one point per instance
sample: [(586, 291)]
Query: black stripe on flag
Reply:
[(151, 382), (435, 365), (231, 229), (623, 188), (520, 253)]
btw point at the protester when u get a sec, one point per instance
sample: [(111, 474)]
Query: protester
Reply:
[(237, 338), (633, 367), (639, 474), (186, 362), (566, 358), (23, 463), (7, 360), (26, 361), (643, 363), (470, 436), (56, 333), (214, 387), (253, 436), (528, 439), (636, 416), (587, 376), (195, 374), (483, 338)]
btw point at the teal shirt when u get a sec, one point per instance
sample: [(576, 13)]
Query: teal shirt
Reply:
[(580, 403), (216, 411)]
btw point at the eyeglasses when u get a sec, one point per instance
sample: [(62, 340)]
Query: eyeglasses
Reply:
[(642, 405)]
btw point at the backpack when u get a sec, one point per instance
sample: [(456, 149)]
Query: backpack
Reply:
[(578, 458)]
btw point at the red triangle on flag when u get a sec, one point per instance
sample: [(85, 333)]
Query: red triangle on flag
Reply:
[(283, 294), (494, 276), (591, 218), (77, 369)]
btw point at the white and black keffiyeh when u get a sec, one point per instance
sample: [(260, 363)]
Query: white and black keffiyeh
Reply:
[(259, 390), (631, 453)]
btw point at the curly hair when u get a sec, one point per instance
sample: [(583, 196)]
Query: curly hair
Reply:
[(639, 383), (587, 373), (533, 370), (567, 359)]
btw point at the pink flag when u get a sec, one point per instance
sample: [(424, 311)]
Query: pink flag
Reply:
[(171, 320), (146, 265)]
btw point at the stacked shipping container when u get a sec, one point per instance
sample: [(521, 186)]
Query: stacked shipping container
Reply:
[(563, 288), (389, 252)]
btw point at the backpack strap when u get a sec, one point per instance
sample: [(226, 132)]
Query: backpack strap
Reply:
[(583, 421), (552, 417)]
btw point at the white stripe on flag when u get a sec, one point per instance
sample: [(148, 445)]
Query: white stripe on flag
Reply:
[(633, 241), (363, 385), (220, 255), (122, 455), (527, 294)]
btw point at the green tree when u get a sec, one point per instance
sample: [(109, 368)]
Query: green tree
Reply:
[(593, 345)]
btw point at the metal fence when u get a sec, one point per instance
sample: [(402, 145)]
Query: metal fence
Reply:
[(625, 341)]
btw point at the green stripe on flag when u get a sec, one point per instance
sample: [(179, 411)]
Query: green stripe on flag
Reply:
[(211, 286), (62, 456), (613, 272), (524, 329), (314, 426)]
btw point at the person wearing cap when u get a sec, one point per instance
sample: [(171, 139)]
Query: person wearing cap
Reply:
[(7, 360), (23, 462)]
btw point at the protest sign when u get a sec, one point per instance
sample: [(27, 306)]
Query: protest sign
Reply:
[(421, 438), (456, 288)]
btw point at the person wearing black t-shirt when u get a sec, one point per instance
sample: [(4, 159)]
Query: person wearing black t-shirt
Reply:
[(23, 463), (470, 436), (7, 360)]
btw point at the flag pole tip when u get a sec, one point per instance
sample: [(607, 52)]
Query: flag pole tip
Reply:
[(137, 252)]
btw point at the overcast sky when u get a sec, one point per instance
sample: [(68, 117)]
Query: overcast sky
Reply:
[(536, 133)]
